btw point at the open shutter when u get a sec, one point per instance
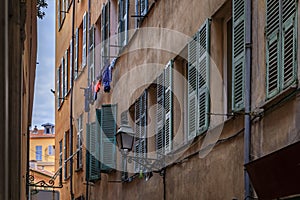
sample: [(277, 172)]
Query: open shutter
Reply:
[(203, 78), (273, 47), (289, 43), (65, 156), (168, 105), (144, 7), (84, 39), (63, 78), (103, 36), (137, 128), (94, 152), (192, 87), (238, 64), (58, 14), (71, 62), (143, 126), (108, 140), (66, 72), (123, 6), (87, 160), (58, 82), (91, 54), (76, 54), (160, 115)]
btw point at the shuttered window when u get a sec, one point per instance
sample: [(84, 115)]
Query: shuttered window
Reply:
[(238, 63), (63, 78), (58, 14), (140, 146), (198, 82), (123, 6), (141, 9), (79, 141), (108, 131), (84, 39), (281, 41), (76, 53), (71, 62), (58, 87), (91, 54), (105, 26), (66, 81), (164, 112)]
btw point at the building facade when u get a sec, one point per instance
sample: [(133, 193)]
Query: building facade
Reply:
[(209, 87), (18, 47), (42, 148)]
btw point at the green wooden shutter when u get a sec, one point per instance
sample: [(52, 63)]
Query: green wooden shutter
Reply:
[(238, 64), (87, 160), (137, 129), (84, 39), (168, 105), (192, 87), (143, 127), (289, 43), (71, 62), (160, 115), (58, 82), (108, 140), (94, 152), (203, 78), (76, 53), (273, 47)]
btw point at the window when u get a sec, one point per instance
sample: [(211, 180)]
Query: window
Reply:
[(164, 112), (281, 41), (93, 152), (71, 63), (141, 9), (198, 82), (76, 53), (67, 154), (50, 150), (123, 22), (105, 26), (238, 62), (84, 39), (79, 141), (66, 81), (91, 55), (58, 87), (38, 153), (140, 144)]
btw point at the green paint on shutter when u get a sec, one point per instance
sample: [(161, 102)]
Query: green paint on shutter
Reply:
[(160, 115), (94, 152), (168, 105), (108, 140), (289, 43), (238, 64), (87, 160), (203, 78), (273, 48)]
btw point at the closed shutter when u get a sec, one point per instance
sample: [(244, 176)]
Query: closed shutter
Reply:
[(76, 54), (71, 63), (192, 87), (84, 39), (108, 140), (289, 43), (58, 82), (94, 152), (168, 105), (273, 47), (203, 78), (160, 115), (238, 68)]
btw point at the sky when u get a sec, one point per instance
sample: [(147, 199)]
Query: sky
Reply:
[(43, 105)]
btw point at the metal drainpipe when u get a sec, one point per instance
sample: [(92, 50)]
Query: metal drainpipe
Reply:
[(247, 136), (88, 117), (71, 107)]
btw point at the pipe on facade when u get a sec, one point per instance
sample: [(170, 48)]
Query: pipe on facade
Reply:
[(71, 106), (247, 134)]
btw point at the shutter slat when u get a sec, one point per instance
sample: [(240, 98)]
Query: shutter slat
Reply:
[(168, 105), (160, 115), (238, 68)]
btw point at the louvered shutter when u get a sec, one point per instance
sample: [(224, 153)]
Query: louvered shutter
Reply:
[(160, 115), (203, 78), (58, 82), (91, 54), (71, 62), (63, 78), (65, 156), (103, 36), (137, 133), (289, 44), (84, 39), (58, 14), (94, 152), (168, 105), (66, 72), (123, 6), (87, 160), (108, 140), (76, 54), (192, 87), (238, 64), (143, 127), (273, 47)]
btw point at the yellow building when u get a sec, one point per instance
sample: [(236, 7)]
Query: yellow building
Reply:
[(42, 156)]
